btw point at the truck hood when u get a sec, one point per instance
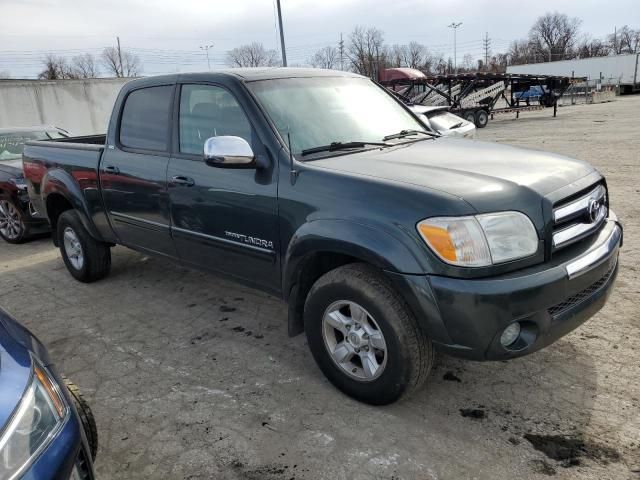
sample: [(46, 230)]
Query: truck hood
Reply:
[(481, 173), (12, 167)]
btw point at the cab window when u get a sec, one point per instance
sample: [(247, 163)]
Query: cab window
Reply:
[(208, 111), (145, 119)]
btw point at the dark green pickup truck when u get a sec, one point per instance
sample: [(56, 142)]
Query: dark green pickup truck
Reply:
[(387, 241)]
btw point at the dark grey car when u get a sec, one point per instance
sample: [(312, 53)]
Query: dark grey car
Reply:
[(18, 220)]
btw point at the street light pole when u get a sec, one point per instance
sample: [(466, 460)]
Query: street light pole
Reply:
[(206, 49), (284, 53), (455, 52)]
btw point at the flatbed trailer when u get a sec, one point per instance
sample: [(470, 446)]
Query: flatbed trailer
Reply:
[(475, 96)]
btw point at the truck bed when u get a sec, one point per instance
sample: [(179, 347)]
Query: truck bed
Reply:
[(72, 161)]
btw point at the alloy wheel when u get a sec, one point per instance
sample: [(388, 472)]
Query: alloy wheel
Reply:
[(73, 248), (11, 225), (354, 340)]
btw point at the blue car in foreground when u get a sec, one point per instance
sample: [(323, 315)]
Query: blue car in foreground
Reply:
[(47, 430)]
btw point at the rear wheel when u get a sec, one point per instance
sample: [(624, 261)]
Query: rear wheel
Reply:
[(482, 118), (86, 258), (363, 336), (469, 116), (13, 228), (86, 416)]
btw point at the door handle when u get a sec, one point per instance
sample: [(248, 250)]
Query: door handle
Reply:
[(185, 181), (112, 169)]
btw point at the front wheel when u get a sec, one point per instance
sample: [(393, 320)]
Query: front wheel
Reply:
[(363, 336), (86, 258), (12, 225), (86, 416)]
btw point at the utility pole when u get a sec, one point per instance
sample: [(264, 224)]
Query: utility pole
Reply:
[(120, 58), (341, 49), (487, 47), (284, 53), (455, 26), (206, 49)]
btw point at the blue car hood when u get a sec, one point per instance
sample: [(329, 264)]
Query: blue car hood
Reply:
[(16, 343)]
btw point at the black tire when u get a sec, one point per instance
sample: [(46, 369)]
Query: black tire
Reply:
[(409, 353), (469, 116), (96, 255), (17, 218), (86, 416), (482, 118)]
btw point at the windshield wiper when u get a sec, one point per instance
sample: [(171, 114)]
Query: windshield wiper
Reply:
[(405, 133), (332, 147)]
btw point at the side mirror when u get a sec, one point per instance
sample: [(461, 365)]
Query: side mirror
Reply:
[(228, 152)]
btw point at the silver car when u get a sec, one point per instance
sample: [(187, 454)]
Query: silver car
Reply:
[(444, 122)]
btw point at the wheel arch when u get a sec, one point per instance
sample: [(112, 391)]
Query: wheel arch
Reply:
[(323, 245), (60, 192)]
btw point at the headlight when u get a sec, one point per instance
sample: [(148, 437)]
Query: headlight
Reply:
[(38, 418), (481, 240)]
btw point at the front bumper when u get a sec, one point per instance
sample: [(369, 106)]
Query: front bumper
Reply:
[(467, 317)]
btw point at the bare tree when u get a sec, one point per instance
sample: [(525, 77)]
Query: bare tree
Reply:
[(396, 56), (252, 55), (121, 64), (523, 51), (366, 51), (592, 47), (554, 35), (56, 68), (468, 63), (85, 66), (625, 40), (327, 57)]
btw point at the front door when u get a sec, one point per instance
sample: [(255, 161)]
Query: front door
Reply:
[(222, 219), (133, 173)]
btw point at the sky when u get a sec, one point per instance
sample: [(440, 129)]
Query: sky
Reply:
[(167, 34)]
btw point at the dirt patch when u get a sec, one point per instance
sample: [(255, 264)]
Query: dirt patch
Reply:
[(569, 450), (475, 413), (451, 377)]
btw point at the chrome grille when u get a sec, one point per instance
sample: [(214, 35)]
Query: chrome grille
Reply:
[(581, 296), (579, 217)]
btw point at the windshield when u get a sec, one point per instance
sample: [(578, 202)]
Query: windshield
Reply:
[(445, 120), (12, 143), (324, 110)]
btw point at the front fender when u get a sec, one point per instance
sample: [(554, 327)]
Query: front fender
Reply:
[(60, 182), (367, 243)]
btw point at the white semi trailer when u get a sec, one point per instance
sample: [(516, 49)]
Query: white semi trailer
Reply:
[(617, 70)]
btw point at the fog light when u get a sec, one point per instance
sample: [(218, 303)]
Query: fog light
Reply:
[(510, 334)]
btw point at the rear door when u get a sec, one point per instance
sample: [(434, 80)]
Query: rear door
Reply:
[(133, 172), (222, 219)]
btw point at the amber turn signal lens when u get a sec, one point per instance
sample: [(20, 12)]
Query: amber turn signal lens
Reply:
[(58, 403), (440, 240)]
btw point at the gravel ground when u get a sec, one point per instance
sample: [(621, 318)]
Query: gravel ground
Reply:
[(193, 377)]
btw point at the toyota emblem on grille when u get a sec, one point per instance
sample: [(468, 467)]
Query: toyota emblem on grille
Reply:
[(594, 209)]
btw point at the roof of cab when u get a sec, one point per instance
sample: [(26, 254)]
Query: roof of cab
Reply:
[(245, 75)]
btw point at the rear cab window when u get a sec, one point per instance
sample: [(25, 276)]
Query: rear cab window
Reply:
[(144, 123)]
